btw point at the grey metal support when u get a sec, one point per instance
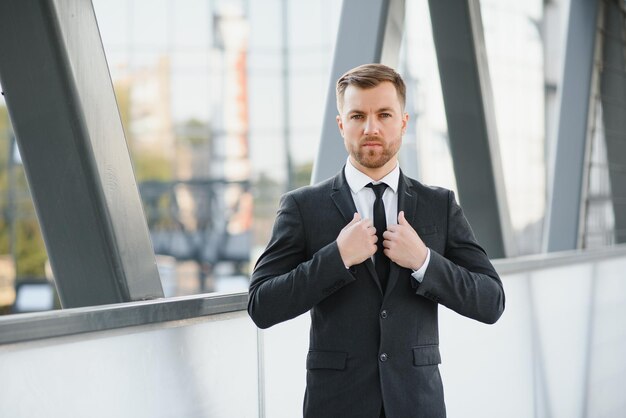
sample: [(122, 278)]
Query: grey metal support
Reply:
[(566, 171), (613, 94), (369, 31), (62, 106), (460, 47)]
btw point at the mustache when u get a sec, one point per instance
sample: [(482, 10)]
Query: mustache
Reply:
[(370, 139)]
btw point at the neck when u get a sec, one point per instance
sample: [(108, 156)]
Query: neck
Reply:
[(378, 173)]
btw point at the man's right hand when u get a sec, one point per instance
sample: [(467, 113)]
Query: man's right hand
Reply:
[(357, 241)]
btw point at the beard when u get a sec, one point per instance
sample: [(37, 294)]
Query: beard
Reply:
[(374, 157)]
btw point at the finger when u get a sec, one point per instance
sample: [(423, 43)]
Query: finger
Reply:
[(367, 222), (388, 234), (356, 218), (401, 219)]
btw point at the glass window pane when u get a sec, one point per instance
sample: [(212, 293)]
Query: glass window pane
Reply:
[(222, 105), (426, 143), (25, 273), (515, 52)]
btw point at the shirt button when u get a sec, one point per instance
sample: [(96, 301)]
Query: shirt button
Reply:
[(383, 357), (383, 314)]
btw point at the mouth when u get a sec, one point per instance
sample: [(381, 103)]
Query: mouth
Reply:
[(372, 144)]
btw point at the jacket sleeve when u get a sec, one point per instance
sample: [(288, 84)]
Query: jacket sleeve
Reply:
[(286, 282), (462, 278)]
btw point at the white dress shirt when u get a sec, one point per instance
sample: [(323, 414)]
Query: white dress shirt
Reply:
[(364, 198)]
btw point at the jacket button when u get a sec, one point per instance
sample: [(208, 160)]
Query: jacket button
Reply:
[(383, 314), (383, 357)]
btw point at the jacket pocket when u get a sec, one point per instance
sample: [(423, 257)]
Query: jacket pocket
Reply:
[(426, 355), (334, 360)]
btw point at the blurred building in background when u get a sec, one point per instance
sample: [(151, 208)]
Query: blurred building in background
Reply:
[(222, 103)]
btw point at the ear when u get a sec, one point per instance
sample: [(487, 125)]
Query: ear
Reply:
[(340, 124), (405, 121)]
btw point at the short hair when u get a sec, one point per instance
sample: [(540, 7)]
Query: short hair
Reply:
[(368, 76)]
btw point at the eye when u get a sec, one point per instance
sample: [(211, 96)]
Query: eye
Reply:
[(385, 115), (356, 117)]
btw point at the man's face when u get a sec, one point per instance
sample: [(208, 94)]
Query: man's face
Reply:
[(372, 123)]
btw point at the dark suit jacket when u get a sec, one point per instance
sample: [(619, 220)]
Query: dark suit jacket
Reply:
[(366, 347)]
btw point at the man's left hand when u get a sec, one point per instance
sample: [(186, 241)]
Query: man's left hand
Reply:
[(403, 245)]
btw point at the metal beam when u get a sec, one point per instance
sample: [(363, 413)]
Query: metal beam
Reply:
[(461, 55), (370, 31), (613, 94), (567, 169), (61, 102)]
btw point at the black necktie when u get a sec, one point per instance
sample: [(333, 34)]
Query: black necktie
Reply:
[(381, 261)]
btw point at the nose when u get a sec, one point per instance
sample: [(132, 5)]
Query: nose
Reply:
[(371, 127)]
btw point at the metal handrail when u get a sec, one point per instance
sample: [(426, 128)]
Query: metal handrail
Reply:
[(557, 259), (58, 323)]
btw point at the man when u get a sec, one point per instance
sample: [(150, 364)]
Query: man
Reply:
[(374, 332)]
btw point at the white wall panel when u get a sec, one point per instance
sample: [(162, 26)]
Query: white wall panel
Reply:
[(206, 367)]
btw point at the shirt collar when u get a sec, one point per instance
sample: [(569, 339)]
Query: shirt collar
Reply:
[(357, 179)]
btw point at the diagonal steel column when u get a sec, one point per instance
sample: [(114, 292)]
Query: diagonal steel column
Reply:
[(461, 55), (61, 102), (566, 171), (613, 94), (369, 31)]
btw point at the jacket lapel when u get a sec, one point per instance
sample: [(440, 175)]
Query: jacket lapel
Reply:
[(342, 197), (407, 202)]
